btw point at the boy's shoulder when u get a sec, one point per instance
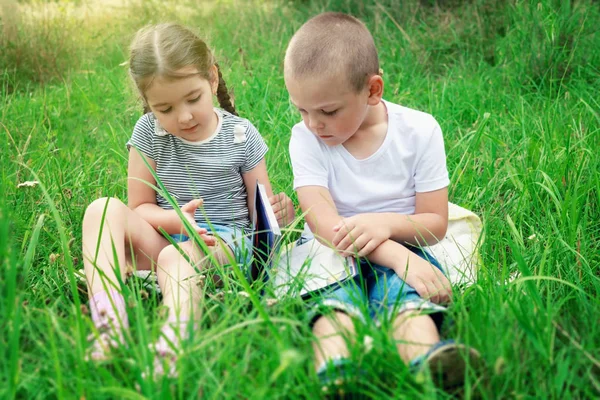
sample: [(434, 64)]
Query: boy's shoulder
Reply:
[(410, 119)]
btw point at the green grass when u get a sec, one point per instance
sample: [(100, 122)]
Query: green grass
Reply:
[(514, 86)]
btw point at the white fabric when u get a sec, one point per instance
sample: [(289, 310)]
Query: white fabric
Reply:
[(411, 159), (458, 251)]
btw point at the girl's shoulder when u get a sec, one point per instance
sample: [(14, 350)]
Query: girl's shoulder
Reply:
[(145, 123), (235, 125), (230, 120)]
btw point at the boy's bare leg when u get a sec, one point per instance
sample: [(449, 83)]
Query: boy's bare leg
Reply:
[(414, 334), (332, 332)]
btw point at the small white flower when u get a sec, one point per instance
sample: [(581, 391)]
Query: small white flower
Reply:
[(368, 343), (272, 302), (239, 134), (28, 184)]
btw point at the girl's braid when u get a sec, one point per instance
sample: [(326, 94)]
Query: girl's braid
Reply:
[(223, 95)]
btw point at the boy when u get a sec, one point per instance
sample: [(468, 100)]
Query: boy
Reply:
[(372, 178)]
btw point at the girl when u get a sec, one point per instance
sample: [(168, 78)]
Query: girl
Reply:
[(208, 160)]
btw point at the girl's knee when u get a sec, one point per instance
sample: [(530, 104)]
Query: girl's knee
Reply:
[(173, 255), (104, 207)]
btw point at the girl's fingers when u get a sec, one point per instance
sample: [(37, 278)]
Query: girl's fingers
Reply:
[(191, 205), (209, 240)]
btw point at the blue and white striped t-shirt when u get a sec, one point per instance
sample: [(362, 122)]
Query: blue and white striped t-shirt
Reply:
[(211, 169)]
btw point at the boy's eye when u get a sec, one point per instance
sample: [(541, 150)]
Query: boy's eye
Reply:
[(329, 113), (302, 111), (195, 99), (165, 111)]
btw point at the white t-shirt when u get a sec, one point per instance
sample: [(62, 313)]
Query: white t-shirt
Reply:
[(411, 159)]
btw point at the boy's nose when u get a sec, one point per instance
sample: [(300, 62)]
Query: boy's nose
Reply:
[(314, 124)]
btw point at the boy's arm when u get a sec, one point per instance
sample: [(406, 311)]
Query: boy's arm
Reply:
[(321, 213), (363, 232), (322, 217)]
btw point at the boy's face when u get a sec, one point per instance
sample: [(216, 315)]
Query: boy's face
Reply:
[(330, 107)]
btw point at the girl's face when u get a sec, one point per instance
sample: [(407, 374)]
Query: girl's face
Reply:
[(184, 107)]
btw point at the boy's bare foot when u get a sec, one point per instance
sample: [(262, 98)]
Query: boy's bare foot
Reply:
[(340, 379)]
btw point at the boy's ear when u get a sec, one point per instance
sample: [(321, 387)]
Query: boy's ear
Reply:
[(375, 87)]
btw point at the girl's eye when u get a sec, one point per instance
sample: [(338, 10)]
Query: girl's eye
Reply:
[(329, 113), (301, 111), (195, 99), (165, 111)]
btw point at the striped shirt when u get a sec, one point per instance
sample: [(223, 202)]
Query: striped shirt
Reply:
[(211, 169)]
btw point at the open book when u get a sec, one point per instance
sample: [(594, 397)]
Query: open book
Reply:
[(266, 235), (296, 270)]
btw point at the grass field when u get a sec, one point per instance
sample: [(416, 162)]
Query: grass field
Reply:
[(514, 86)]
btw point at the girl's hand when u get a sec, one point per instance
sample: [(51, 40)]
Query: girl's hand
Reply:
[(283, 208), (188, 211), (360, 234)]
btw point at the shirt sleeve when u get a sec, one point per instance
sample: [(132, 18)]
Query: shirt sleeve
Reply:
[(308, 159), (143, 136), (255, 148), (431, 172)]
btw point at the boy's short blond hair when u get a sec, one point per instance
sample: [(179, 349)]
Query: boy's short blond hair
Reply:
[(333, 43)]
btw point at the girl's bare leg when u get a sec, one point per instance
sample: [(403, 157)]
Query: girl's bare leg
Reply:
[(113, 237), (181, 283)]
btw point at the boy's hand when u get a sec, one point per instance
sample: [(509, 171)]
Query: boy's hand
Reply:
[(283, 208), (429, 282), (360, 234), (188, 210)]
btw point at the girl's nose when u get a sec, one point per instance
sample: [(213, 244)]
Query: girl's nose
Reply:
[(185, 116)]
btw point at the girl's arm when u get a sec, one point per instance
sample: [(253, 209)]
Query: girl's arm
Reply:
[(281, 203), (142, 197)]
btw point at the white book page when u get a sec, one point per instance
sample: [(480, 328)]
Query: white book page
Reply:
[(310, 267)]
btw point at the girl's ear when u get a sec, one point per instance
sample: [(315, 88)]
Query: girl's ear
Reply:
[(375, 87), (214, 79)]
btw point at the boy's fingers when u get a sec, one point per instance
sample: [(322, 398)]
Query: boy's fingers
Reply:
[(369, 247), (434, 293)]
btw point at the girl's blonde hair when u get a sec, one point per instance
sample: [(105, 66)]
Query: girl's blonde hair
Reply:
[(163, 50)]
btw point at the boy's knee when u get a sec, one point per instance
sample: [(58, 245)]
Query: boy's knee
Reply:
[(331, 323)]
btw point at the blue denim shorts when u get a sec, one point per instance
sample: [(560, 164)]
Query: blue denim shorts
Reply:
[(377, 293), (238, 241)]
